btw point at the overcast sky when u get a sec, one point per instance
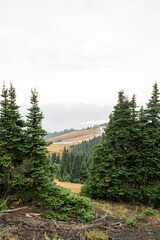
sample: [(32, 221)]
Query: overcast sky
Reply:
[(80, 51)]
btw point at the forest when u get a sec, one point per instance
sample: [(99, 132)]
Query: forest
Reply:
[(26, 172), (126, 164), (123, 165), (75, 163)]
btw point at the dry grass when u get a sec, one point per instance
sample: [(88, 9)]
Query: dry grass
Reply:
[(74, 187), (118, 209), (114, 209), (76, 135), (58, 148), (69, 137)]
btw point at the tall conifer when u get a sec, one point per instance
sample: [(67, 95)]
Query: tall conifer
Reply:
[(16, 132), (35, 147), (11, 136), (151, 144), (44, 191), (5, 157)]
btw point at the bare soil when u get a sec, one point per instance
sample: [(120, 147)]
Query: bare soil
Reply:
[(25, 224)]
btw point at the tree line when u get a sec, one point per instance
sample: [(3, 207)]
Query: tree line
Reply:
[(75, 163), (26, 172), (56, 134), (126, 164)]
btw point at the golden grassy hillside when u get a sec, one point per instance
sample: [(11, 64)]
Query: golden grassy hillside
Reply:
[(70, 137), (58, 148), (76, 135)]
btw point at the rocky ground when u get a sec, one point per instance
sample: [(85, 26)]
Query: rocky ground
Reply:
[(23, 224)]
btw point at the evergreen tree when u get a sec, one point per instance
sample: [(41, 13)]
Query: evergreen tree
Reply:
[(112, 170), (79, 169), (35, 146), (11, 136), (126, 164), (36, 182), (74, 165), (5, 157), (44, 192), (54, 158), (151, 144), (65, 166), (16, 133), (58, 159)]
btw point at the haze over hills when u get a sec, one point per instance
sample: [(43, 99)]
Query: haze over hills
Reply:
[(65, 116), (73, 138)]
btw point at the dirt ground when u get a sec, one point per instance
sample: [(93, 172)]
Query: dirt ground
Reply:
[(23, 224)]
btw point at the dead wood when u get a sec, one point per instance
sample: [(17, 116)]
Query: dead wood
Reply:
[(13, 210), (65, 230), (4, 202)]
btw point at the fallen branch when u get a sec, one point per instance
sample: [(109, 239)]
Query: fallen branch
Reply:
[(110, 229), (4, 202), (33, 215), (12, 210)]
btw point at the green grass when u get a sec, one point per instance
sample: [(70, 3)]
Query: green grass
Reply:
[(4, 206), (97, 235), (137, 219)]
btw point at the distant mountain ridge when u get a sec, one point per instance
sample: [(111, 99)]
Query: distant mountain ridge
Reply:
[(58, 117), (56, 134), (63, 116), (73, 138)]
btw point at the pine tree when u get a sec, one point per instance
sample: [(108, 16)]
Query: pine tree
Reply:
[(54, 157), (16, 129), (44, 192), (112, 172), (65, 166), (79, 169), (151, 143), (126, 164), (5, 157), (12, 138), (108, 169), (58, 159), (35, 147), (133, 155)]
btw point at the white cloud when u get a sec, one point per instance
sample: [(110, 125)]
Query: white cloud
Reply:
[(91, 123), (80, 51)]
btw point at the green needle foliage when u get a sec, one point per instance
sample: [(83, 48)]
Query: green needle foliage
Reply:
[(25, 170), (5, 158), (11, 141), (44, 191), (149, 212), (74, 165), (126, 165)]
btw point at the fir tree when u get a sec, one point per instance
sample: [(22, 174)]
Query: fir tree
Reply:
[(65, 166), (35, 146), (79, 169), (16, 125), (44, 192), (11, 136), (126, 164), (151, 144), (35, 184), (112, 172), (54, 158), (5, 157)]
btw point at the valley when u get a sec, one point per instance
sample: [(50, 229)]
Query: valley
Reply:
[(73, 138)]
